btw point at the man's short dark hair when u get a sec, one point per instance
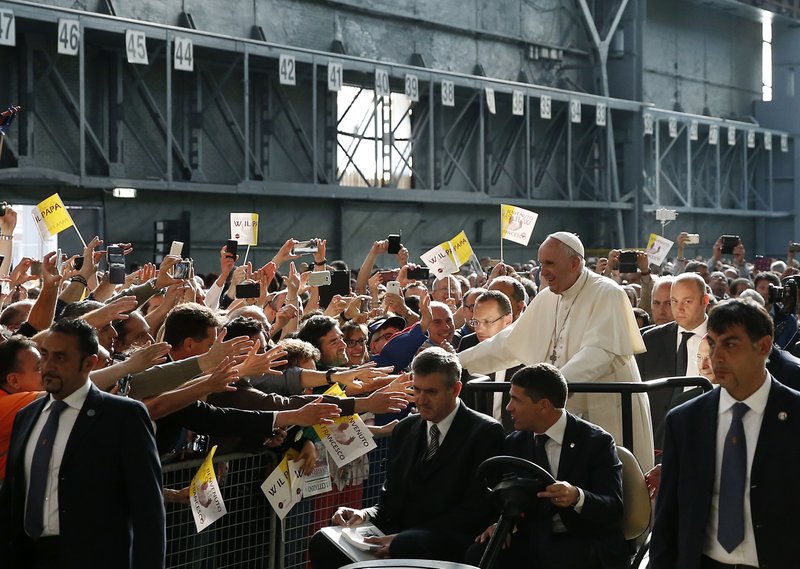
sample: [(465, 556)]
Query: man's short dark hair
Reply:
[(767, 276), (503, 303), (693, 266), (642, 314), (189, 320), (543, 381), (754, 318), (243, 326), (85, 333), (11, 312), (77, 309), (315, 328), (8, 355), (437, 360), (738, 285)]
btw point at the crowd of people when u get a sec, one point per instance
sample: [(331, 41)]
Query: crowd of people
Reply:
[(173, 361)]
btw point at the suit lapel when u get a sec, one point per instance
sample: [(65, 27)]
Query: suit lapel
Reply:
[(28, 419), (706, 455), (772, 437), (84, 423), (569, 446)]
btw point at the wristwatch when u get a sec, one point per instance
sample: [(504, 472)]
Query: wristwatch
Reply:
[(329, 375)]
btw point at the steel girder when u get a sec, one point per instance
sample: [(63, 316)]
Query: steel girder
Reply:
[(692, 167)]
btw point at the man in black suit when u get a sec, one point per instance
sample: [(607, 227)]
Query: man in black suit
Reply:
[(431, 506), (672, 347), (83, 483), (585, 529), (730, 459)]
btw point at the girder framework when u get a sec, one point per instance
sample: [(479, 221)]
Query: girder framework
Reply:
[(232, 125)]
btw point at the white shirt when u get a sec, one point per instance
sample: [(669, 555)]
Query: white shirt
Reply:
[(692, 345), (552, 449), (66, 422), (444, 426), (497, 403), (745, 553)]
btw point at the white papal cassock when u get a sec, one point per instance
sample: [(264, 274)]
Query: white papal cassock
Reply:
[(593, 331)]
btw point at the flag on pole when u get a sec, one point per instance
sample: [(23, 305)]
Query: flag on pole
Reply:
[(244, 228), (51, 217), (284, 486), (516, 224), (447, 257), (205, 497), (658, 248)]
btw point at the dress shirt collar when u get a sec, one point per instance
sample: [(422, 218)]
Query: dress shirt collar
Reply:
[(557, 429), (444, 424), (577, 286), (75, 400), (700, 331), (757, 402)]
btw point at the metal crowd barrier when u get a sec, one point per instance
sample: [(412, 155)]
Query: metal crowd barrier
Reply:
[(484, 385), (250, 535)]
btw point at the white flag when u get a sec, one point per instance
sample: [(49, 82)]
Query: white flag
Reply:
[(658, 248), (440, 261)]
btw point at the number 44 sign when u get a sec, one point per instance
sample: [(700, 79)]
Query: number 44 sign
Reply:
[(183, 59)]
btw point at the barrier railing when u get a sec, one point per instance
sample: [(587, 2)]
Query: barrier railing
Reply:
[(484, 385), (251, 535)]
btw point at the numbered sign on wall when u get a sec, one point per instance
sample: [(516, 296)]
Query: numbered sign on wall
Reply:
[(517, 103), (183, 58), (673, 127), (412, 87), (545, 107), (8, 28), (600, 114), (136, 47), (694, 130), (69, 36), (334, 76), (448, 94), (575, 111), (648, 120), (713, 134), (767, 141), (784, 143), (490, 100), (286, 70), (731, 136), (382, 83), (751, 139)]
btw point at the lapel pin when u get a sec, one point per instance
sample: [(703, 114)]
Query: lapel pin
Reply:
[(783, 415), (571, 445), (90, 413)]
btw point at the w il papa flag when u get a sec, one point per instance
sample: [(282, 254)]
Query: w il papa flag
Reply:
[(244, 228), (51, 217), (447, 257)]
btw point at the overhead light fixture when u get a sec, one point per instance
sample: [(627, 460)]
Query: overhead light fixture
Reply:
[(125, 193)]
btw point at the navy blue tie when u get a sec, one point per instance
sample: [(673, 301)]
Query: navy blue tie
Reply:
[(730, 532), (40, 467)]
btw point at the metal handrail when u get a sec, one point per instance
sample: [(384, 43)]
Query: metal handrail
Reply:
[(625, 389)]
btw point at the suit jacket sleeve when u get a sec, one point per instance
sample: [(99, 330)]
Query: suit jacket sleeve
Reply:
[(162, 378), (145, 500), (603, 492), (664, 542)]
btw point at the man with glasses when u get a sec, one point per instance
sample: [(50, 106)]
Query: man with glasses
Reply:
[(381, 331), (466, 310), (493, 313)]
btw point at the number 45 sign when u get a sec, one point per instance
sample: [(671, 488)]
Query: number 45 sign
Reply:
[(136, 46)]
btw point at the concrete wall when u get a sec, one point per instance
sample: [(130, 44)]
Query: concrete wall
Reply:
[(706, 60)]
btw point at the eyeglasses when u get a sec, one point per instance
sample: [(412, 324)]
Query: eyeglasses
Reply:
[(476, 323), (384, 337), (356, 342)]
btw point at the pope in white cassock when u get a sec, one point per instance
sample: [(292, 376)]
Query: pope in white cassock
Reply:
[(583, 324)]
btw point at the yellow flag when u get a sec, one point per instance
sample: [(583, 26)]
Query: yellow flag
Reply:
[(205, 497), (52, 217), (458, 248)]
